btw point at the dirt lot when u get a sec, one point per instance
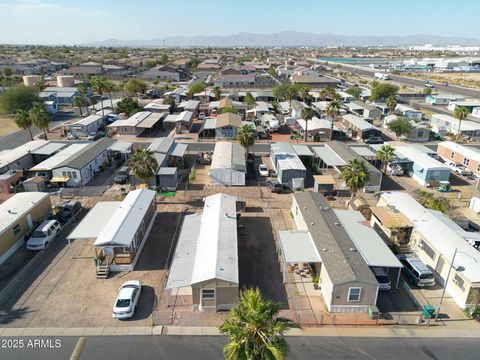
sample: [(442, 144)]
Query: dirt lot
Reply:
[(66, 293), (7, 125)]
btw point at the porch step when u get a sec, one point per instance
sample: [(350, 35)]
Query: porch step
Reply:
[(102, 271)]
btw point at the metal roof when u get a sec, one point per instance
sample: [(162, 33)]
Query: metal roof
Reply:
[(298, 246), (342, 263), (121, 146), (167, 171), (207, 245), (168, 146), (437, 232), (125, 221), (285, 156), (363, 151), (10, 156), (470, 152), (133, 120), (49, 148), (228, 155), (59, 158), (150, 120), (420, 158), (95, 221), (87, 120), (359, 122), (371, 246), (87, 155), (17, 206), (302, 150), (328, 156)]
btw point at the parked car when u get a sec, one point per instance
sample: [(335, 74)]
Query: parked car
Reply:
[(95, 135), (374, 140), (44, 234), (69, 209), (382, 278), (458, 168), (417, 272), (395, 169), (72, 136), (127, 300), (263, 170), (275, 186), (122, 175), (201, 115), (285, 111)]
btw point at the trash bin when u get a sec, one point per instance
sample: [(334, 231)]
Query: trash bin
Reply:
[(428, 311), (373, 312), (95, 260)]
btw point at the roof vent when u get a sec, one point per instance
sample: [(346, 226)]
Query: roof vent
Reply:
[(324, 249), (337, 224), (325, 208), (353, 250), (312, 223)]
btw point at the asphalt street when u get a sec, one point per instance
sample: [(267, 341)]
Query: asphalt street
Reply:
[(197, 147), (210, 347)]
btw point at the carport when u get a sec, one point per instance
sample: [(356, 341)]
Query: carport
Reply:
[(296, 251), (94, 222), (328, 158), (370, 245)]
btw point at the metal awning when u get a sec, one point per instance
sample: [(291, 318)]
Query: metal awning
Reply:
[(363, 151), (59, 179), (121, 146), (328, 156), (302, 150), (298, 247), (94, 222)]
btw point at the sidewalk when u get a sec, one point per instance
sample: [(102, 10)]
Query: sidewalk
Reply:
[(338, 331)]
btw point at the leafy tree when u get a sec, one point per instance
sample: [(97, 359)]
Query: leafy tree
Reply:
[(195, 88), (333, 110), (135, 86), (79, 101), (272, 71), (307, 114), (354, 91), (168, 100), (304, 92), (128, 106), (254, 330), (18, 98), (385, 154), (356, 175), (194, 62), (23, 121), (246, 137), (427, 91), (249, 99), (40, 117), (286, 92), (217, 92), (7, 73), (383, 90), (143, 164), (163, 59), (328, 93), (400, 126), (461, 113), (391, 103), (430, 201)]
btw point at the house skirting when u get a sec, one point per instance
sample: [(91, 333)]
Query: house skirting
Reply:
[(12, 249)]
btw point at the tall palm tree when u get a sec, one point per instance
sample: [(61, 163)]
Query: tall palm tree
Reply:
[(355, 174), (40, 118), (109, 87), (307, 114), (333, 110), (254, 329), (79, 101), (98, 85), (92, 101), (217, 92), (23, 121), (304, 92), (246, 137), (143, 164), (249, 99), (461, 113), (391, 103), (82, 89), (385, 154)]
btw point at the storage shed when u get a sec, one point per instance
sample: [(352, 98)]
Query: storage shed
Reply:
[(167, 177), (290, 169), (228, 164)]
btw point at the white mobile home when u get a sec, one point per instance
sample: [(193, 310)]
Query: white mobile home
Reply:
[(228, 164)]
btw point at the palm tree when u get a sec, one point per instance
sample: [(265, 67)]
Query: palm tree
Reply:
[(461, 113), (82, 89), (304, 92), (79, 101), (92, 101), (246, 137), (391, 103), (40, 118), (385, 154), (254, 330), (109, 87), (356, 175), (217, 92), (249, 99), (23, 121), (98, 85), (143, 164), (307, 114), (333, 110)]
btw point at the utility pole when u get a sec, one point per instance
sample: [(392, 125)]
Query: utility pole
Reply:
[(445, 285)]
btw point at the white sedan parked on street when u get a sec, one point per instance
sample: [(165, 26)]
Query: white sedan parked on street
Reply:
[(127, 300), (263, 170)]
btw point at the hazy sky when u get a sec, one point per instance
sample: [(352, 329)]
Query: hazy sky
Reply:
[(80, 21)]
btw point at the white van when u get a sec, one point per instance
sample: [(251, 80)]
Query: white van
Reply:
[(44, 234), (382, 278)]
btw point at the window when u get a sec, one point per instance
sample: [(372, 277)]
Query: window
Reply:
[(64, 173), (354, 294), (69, 173), (16, 229), (466, 161), (208, 294), (452, 154), (458, 280), (427, 249), (74, 174)]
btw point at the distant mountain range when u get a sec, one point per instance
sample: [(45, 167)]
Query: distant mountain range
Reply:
[(289, 39)]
